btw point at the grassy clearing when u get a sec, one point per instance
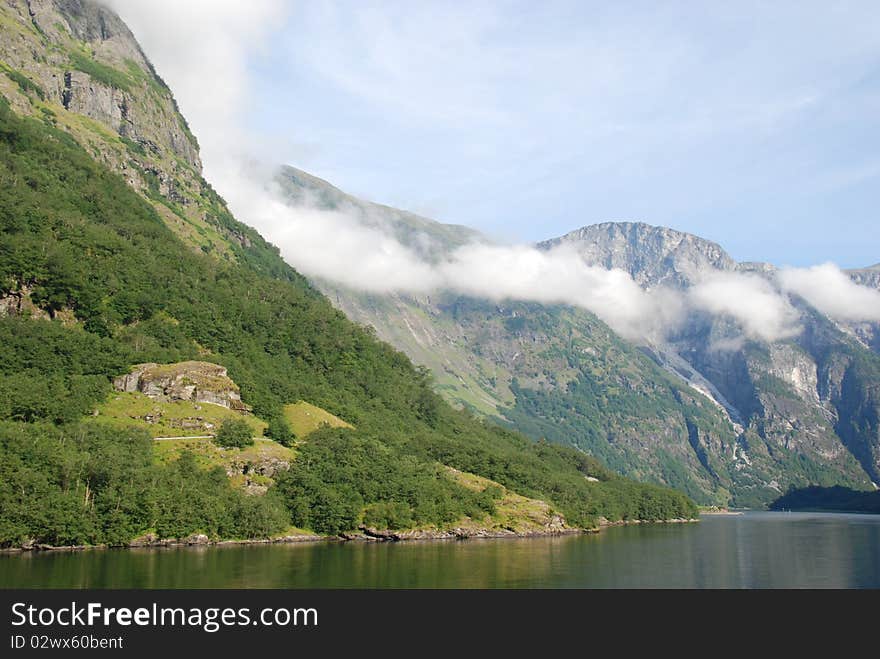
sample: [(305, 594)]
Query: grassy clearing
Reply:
[(512, 511), (189, 420), (305, 418), (172, 419), (242, 465)]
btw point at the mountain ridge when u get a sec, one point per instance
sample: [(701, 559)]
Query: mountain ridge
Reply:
[(303, 189), (755, 389)]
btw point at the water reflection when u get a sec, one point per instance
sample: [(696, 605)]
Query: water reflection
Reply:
[(756, 550)]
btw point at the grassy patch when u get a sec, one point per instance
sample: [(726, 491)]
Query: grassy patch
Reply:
[(137, 73), (208, 454), (133, 146), (512, 511), (244, 466), (305, 418), (172, 419), (25, 84), (101, 72)]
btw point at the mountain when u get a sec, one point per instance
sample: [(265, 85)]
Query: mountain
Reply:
[(427, 238), (738, 426), (867, 333), (812, 397), (134, 306), (652, 255), (867, 276)]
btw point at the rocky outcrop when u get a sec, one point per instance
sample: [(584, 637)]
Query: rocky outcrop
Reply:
[(200, 382), (651, 255), (866, 276)]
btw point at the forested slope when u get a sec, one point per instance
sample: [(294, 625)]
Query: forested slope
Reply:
[(94, 281)]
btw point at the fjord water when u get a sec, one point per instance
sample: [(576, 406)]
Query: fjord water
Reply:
[(753, 550)]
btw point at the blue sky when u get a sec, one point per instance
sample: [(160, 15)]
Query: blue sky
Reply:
[(755, 124)]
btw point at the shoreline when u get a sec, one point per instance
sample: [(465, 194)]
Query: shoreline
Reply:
[(363, 535)]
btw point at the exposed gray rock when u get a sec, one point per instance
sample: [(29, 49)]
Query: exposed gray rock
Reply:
[(866, 276), (145, 112), (651, 255), (201, 382)]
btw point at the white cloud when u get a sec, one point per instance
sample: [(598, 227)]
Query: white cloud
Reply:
[(832, 292), (760, 309), (346, 247), (433, 66), (560, 276), (360, 252)]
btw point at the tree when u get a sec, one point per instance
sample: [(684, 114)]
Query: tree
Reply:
[(280, 431), (234, 433)]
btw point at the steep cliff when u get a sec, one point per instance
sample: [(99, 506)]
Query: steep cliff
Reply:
[(75, 65)]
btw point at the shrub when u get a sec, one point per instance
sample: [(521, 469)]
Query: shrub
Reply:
[(234, 433)]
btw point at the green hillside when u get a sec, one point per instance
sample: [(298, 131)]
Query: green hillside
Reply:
[(94, 281)]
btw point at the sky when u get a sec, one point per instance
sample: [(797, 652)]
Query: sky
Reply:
[(751, 124), (755, 124)]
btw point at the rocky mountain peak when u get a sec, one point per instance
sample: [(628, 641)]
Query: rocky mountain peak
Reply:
[(869, 276), (652, 255)]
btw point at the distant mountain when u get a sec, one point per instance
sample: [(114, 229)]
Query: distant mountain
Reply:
[(427, 238), (867, 333), (735, 426), (794, 399), (867, 276), (651, 255)]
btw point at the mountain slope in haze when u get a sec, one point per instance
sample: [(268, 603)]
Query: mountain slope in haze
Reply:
[(812, 398), (427, 238), (552, 372), (104, 265), (730, 426), (867, 333)]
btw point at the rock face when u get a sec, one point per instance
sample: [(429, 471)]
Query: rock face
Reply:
[(867, 276), (200, 382), (797, 422), (651, 255), (134, 102), (867, 333)]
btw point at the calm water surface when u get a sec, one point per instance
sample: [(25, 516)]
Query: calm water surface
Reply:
[(755, 550)]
